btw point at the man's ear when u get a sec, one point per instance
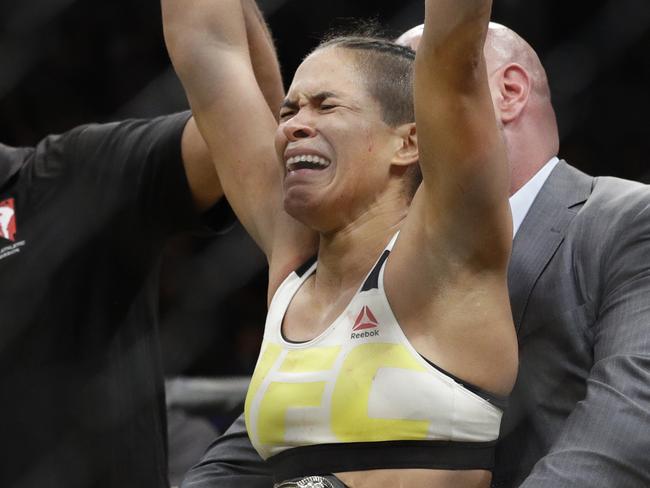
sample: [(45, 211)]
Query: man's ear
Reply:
[(406, 152), (514, 85)]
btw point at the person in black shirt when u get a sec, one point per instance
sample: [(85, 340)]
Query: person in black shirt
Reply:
[(83, 220), (85, 216)]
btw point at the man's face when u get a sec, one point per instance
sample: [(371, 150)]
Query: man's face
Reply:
[(332, 142)]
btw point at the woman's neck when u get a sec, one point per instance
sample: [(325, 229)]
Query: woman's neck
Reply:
[(346, 255)]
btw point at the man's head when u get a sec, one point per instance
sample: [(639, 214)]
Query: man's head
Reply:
[(411, 38), (522, 102), (521, 98)]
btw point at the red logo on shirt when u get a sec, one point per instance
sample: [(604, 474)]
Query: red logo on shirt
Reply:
[(365, 320), (8, 220)]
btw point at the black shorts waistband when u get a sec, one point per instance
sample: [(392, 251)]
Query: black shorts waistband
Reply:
[(362, 456)]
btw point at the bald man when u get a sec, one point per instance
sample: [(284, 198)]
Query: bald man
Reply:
[(579, 282)]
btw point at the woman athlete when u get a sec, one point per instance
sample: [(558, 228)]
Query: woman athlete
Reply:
[(385, 357)]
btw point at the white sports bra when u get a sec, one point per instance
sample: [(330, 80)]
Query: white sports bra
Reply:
[(360, 397)]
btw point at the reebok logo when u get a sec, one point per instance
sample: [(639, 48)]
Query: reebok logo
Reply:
[(8, 220), (366, 322)]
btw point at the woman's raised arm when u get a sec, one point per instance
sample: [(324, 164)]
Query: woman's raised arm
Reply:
[(462, 152), (235, 100)]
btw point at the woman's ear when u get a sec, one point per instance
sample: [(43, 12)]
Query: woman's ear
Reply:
[(407, 151)]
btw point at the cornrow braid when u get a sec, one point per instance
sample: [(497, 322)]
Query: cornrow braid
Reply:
[(370, 44), (388, 71)]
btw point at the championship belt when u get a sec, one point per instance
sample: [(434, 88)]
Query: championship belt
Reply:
[(312, 482)]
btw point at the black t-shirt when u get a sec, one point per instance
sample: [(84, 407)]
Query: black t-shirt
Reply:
[(83, 219)]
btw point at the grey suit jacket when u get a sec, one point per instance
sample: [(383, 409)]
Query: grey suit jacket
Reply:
[(579, 283)]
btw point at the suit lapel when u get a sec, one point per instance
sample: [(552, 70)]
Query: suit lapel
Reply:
[(542, 232)]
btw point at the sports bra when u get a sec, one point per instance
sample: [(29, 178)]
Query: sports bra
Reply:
[(360, 397)]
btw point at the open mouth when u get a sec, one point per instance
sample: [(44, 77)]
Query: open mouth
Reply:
[(306, 161)]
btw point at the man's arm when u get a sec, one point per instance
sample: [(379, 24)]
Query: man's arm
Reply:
[(201, 173), (230, 462), (606, 440)]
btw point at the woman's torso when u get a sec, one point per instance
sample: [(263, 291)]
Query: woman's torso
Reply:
[(361, 381)]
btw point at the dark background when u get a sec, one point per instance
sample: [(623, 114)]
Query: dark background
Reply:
[(68, 62)]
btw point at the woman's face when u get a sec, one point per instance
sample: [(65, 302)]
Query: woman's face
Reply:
[(332, 142)]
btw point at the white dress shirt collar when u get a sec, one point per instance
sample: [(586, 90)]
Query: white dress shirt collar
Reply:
[(523, 198)]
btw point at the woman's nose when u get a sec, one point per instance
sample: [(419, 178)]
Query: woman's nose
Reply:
[(297, 128)]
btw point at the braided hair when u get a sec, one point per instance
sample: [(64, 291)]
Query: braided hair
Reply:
[(388, 70)]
